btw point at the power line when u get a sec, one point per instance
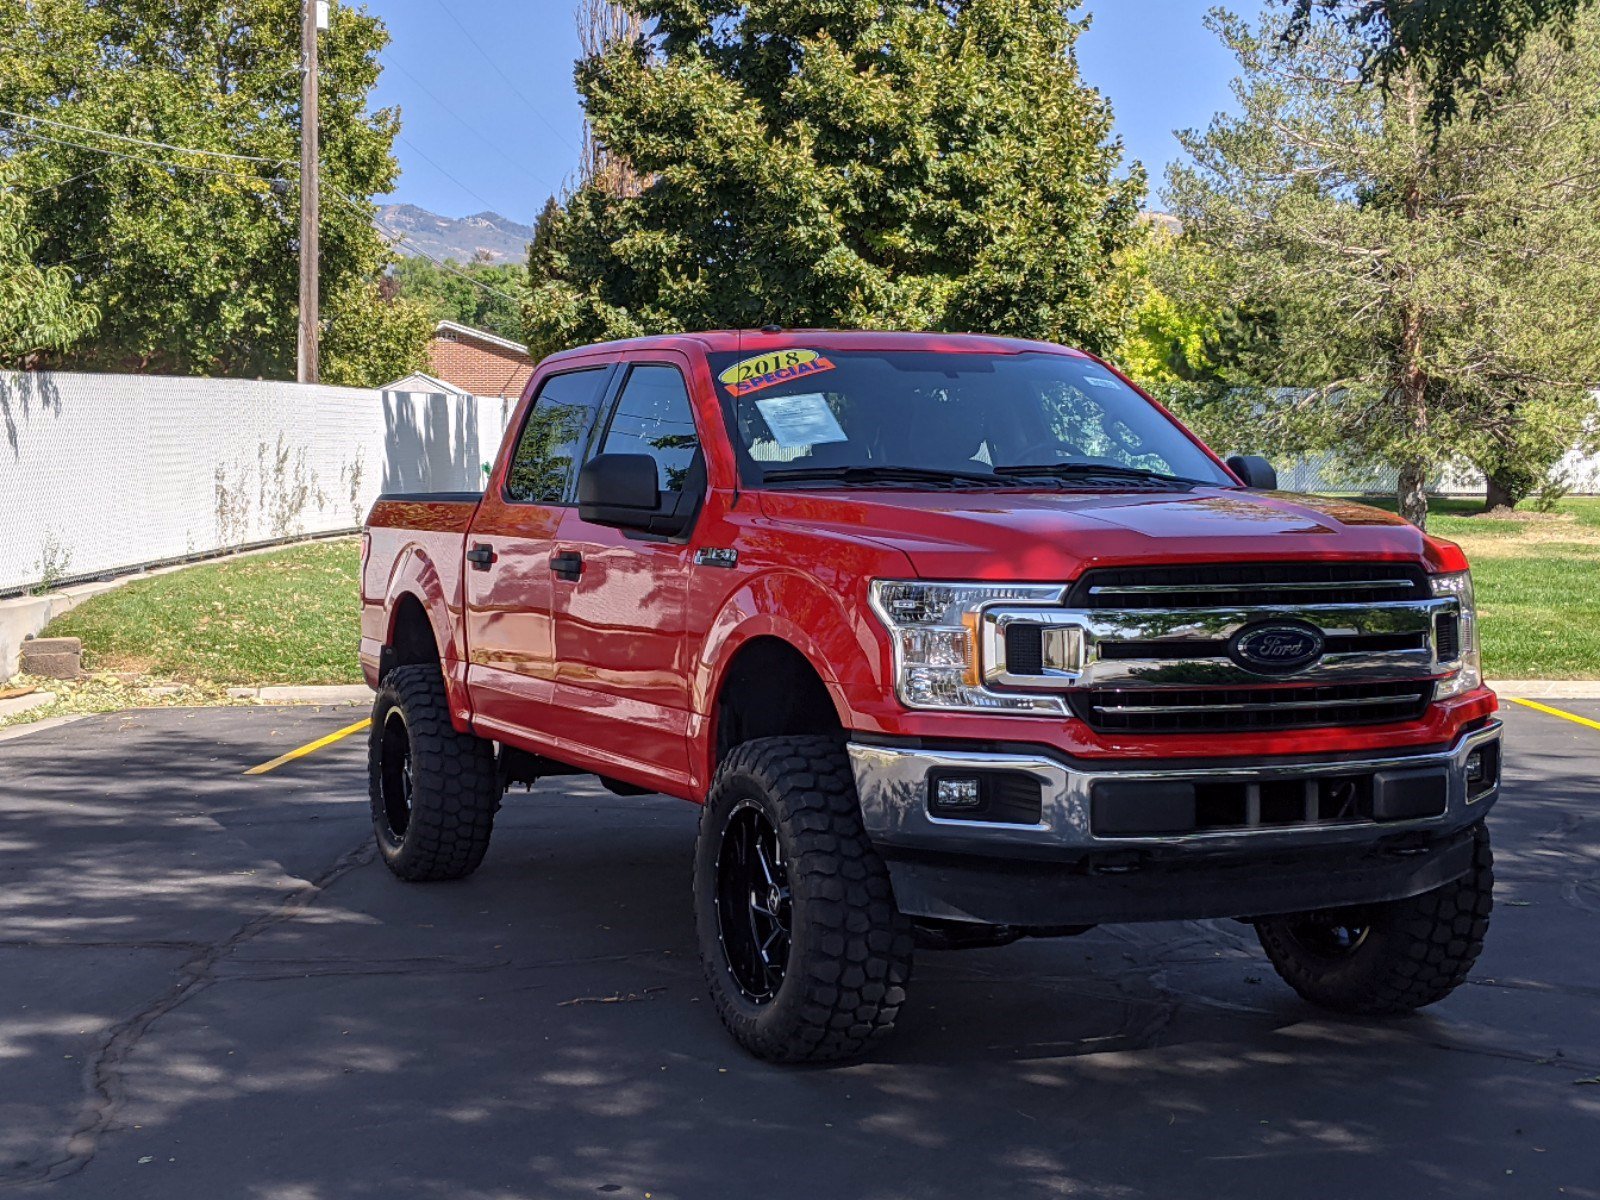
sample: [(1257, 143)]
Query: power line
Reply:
[(488, 206), (481, 136), (495, 67), (153, 162), (140, 141)]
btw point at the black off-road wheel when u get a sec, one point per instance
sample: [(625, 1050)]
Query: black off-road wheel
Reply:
[(1387, 959), (434, 791), (805, 952)]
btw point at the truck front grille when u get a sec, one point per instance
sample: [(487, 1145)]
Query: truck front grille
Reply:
[(1206, 710), (1229, 585)]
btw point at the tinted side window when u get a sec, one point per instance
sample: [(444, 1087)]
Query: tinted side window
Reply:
[(545, 463), (654, 417)]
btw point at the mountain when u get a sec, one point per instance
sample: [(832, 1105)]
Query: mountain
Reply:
[(460, 238)]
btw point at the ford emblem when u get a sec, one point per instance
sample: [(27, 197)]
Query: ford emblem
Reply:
[(1276, 649)]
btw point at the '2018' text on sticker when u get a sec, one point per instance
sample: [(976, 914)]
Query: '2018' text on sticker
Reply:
[(770, 369)]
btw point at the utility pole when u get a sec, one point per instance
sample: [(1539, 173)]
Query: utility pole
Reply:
[(306, 370)]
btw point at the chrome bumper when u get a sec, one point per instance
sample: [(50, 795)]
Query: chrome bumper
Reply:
[(892, 783)]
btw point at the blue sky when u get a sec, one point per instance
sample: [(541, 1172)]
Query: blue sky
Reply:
[(491, 119)]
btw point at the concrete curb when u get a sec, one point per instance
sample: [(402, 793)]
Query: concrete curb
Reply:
[(1547, 689), (27, 727), (22, 704), (290, 694)]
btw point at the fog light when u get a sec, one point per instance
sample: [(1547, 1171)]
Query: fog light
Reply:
[(957, 794), (1482, 772)]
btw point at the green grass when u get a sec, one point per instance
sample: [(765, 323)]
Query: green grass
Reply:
[(1539, 611), (290, 616), (1537, 577)]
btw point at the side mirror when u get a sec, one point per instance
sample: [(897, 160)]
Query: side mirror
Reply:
[(619, 490), (1255, 471)]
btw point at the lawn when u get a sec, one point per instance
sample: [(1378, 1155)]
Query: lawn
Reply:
[(1537, 577), (289, 616)]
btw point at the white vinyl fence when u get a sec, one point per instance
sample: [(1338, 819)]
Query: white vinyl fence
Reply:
[(103, 473)]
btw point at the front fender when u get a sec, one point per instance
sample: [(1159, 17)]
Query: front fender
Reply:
[(836, 634)]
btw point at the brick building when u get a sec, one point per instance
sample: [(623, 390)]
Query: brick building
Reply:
[(478, 362)]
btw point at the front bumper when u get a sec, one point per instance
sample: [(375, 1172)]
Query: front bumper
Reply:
[(1066, 869)]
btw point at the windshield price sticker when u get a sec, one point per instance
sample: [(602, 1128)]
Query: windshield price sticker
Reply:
[(769, 370), (804, 420)]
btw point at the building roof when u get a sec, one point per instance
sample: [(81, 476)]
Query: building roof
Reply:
[(420, 381), (454, 328), (479, 362)]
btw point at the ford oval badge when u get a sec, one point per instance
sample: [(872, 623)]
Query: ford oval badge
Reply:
[(1276, 649)]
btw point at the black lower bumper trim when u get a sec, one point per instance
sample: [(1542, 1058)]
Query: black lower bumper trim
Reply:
[(1109, 889)]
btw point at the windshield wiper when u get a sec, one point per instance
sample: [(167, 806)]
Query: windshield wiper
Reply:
[(886, 474), (1094, 470)]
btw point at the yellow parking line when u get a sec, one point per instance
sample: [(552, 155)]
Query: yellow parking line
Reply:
[(1554, 712), (310, 747)]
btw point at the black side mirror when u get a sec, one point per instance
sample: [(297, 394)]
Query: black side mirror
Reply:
[(1255, 471), (619, 490)]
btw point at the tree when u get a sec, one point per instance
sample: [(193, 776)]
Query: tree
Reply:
[(812, 162), (190, 258), (1432, 288), (1449, 46), (37, 308), (483, 294)]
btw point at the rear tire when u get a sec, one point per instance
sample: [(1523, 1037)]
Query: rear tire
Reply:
[(1387, 959), (434, 791), (806, 955)]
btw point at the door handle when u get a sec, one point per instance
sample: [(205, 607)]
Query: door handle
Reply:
[(567, 565), (482, 556)]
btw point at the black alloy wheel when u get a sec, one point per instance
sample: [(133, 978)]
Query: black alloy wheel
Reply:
[(754, 905), (395, 775)]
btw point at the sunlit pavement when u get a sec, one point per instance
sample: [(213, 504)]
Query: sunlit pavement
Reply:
[(210, 989)]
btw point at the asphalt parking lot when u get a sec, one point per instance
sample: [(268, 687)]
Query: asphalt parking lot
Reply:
[(210, 988)]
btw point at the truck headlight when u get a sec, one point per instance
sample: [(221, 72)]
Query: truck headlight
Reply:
[(1469, 666), (936, 630)]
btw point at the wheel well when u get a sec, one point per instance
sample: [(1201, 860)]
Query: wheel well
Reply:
[(771, 690), (412, 640)]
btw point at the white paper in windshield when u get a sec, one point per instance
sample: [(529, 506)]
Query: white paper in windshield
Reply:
[(803, 420)]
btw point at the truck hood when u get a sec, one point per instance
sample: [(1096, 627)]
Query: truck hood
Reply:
[(1049, 536)]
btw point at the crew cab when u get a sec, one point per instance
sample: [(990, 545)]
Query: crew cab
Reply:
[(955, 639)]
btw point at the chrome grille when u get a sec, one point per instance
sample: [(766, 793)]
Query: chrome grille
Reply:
[(1226, 585), (1201, 710), (1159, 649)]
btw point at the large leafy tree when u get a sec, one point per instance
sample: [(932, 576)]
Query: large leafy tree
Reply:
[(190, 259), (483, 294), (868, 163), (1434, 288), (37, 308)]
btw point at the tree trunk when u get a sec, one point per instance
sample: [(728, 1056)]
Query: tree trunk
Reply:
[(1413, 494), (1499, 493)]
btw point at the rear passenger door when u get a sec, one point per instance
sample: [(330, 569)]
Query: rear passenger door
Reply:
[(508, 591), (621, 676)]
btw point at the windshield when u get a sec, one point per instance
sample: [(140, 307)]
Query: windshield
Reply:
[(889, 418)]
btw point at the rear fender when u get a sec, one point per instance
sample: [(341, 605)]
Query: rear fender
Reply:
[(416, 576)]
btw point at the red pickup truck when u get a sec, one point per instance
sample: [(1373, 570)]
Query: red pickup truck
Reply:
[(955, 640)]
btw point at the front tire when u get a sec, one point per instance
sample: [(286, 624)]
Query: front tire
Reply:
[(1387, 959), (806, 955), (434, 791)]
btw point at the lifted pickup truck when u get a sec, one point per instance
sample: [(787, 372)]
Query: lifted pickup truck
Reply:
[(956, 640)]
